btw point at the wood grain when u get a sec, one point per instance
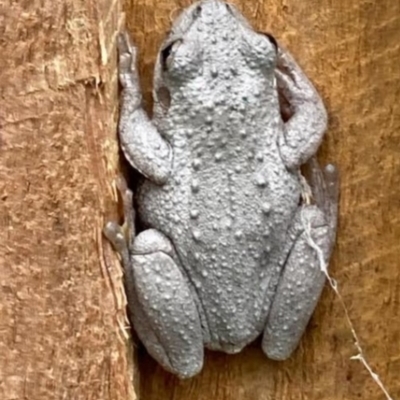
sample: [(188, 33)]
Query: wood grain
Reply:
[(62, 314)]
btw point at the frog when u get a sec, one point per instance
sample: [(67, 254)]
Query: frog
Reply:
[(238, 220)]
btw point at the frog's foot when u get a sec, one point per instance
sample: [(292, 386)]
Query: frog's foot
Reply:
[(162, 308), (127, 69), (312, 236), (121, 237), (325, 190)]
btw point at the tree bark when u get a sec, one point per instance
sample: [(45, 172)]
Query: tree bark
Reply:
[(63, 327)]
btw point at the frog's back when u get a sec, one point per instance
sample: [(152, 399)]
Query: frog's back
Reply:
[(226, 210)]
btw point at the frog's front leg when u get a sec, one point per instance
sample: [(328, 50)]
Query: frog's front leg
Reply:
[(304, 129), (162, 309), (312, 236), (141, 143)]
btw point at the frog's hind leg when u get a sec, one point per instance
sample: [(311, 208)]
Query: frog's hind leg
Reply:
[(312, 235), (162, 309)]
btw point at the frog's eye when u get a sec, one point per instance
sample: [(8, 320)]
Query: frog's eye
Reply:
[(271, 39), (230, 8), (197, 11), (167, 53), (180, 59)]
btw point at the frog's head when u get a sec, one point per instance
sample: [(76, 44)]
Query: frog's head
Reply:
[(211, 41)]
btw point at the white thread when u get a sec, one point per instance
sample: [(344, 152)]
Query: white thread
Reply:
[(333, 284)]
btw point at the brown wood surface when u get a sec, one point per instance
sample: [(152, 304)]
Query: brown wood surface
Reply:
[(62, 314), (62, 320)]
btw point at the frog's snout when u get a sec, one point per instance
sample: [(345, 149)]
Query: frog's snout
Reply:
[(213, 7)]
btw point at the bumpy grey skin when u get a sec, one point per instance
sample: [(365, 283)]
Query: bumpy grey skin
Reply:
[(226, 254)]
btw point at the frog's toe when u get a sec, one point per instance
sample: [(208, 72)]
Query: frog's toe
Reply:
[(114, 233), (331, 175), (125, 45), (324, 183)]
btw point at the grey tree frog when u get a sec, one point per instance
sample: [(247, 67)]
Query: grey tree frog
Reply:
[(234, 233)]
